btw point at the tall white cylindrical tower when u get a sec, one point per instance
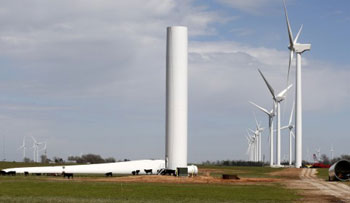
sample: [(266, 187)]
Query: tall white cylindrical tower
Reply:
[(176, 98)]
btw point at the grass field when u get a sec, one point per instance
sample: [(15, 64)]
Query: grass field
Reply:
[(322, 173), (46, 189)]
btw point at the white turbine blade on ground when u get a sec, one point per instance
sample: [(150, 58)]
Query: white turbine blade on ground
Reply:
[(290, 34), (259, 107), (283, 92), (296, 38), (268, 85)]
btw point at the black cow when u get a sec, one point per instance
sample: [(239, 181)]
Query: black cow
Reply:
[(109, 174), (68, 175), (148, 171)]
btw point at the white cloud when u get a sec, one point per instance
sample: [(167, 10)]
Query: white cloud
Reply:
[(252, 6)]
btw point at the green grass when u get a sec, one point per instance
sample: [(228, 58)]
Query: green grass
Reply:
[(45, 189), (33, 189), (322, 173)]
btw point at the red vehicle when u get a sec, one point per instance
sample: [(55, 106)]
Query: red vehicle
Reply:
[(320, 165)]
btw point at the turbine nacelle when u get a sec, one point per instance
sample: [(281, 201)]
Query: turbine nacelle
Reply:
[(300, 48)]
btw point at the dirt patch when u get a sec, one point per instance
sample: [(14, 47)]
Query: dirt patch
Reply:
[(288, 173), (171, 179)]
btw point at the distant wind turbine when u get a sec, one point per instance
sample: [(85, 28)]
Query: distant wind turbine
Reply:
[(278, 99), (23, 146), (270, 115), (290, 127)]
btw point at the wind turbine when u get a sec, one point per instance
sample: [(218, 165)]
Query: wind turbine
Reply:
[(297, 48), (270, 115), (290, 126), (36, 148), (257, 136), (250, 147), (23, 146), (42, 149), (278, 99), (332, 152), (258, 131), (318, 151)]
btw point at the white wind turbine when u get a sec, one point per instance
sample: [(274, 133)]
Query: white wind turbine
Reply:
[(318, 151), (332, 152), (23, 146), (257, 135), (278, 99), (250, 149), (290, 127), (42, 149), (297, 48), (270, 115), (35, 149)]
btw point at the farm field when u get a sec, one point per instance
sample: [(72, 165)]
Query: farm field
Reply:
[(151, 188)]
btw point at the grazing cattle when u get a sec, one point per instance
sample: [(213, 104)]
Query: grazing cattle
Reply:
[(11, 173), (135, 172), (3, 173), (148, 171), (109, 174), (26, 173), (68, 175)]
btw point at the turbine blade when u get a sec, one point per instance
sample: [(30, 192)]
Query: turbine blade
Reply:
[(284, 127), (259, 107), (291, 114), (268, 85), (33, 139), (291, 54), (282, 93), (290, 34), (251, 131), (292, 133), (296, 37), (256, 121)]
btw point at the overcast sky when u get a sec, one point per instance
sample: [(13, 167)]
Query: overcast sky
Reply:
[(88, 76)]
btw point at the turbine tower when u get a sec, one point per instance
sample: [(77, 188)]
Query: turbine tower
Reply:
[(23, 146), (270, 115), (36, 149), (176, 98), (297, 48), (250, 150), (332, 152), (278, 99), (257, 134), (290, 127)]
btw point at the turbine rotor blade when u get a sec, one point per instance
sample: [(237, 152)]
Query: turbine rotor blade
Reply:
[(268, 85), (291, 54), (282, 93), (290, 34), (296, 37), (284, 127), (291, 114), (259, 107)]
